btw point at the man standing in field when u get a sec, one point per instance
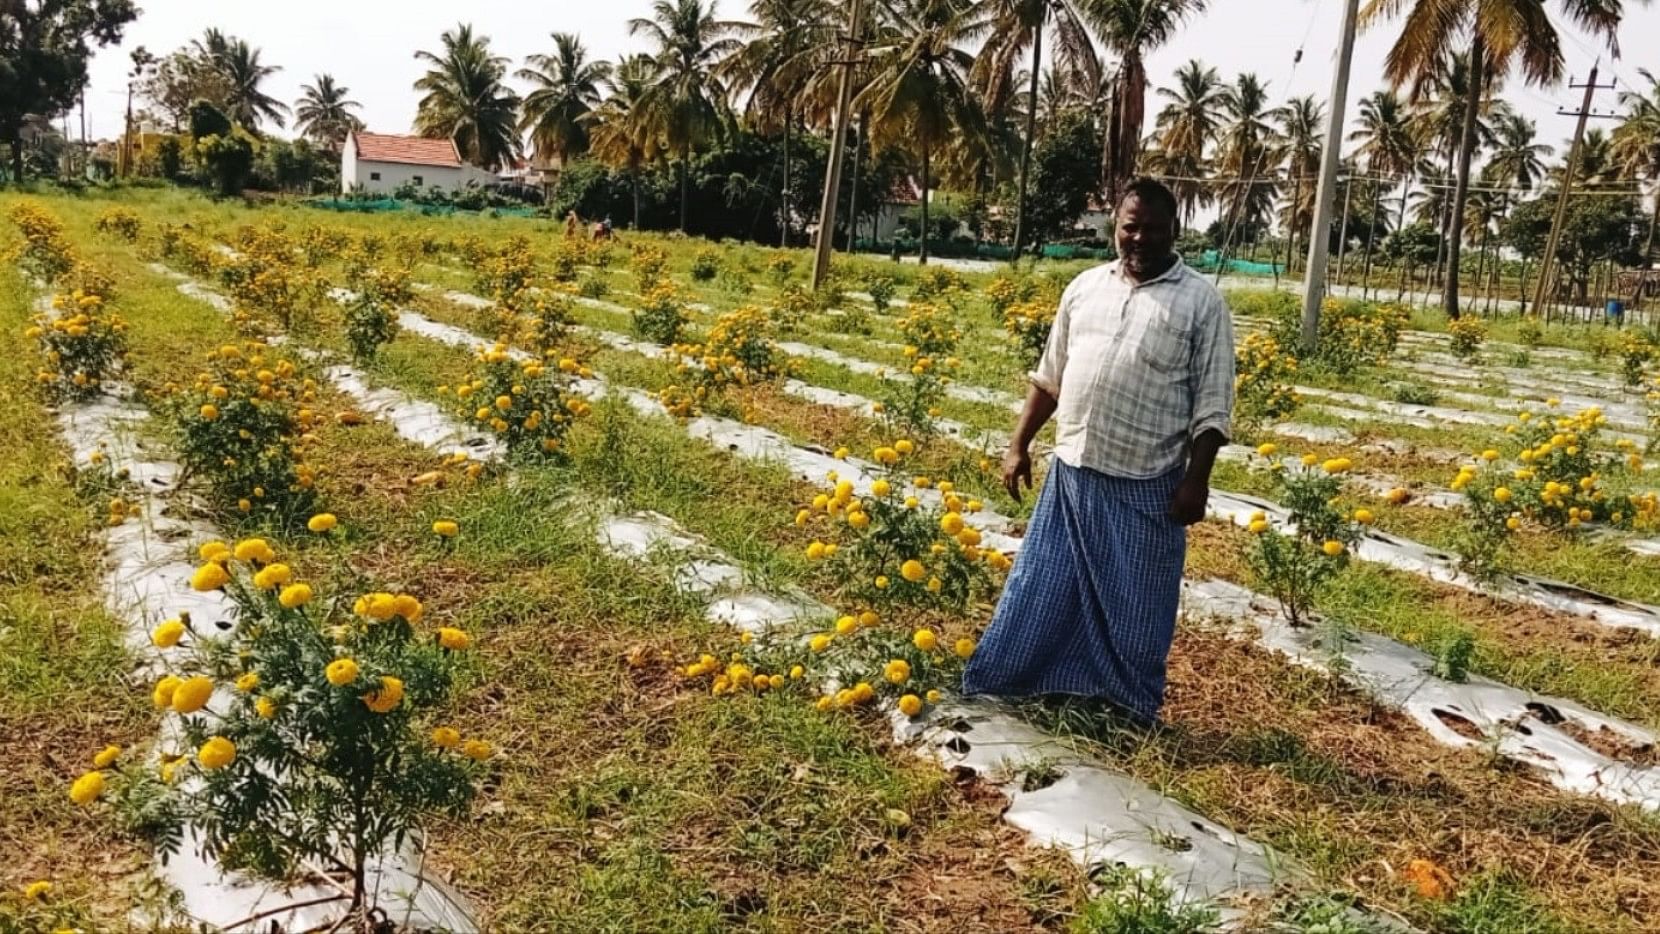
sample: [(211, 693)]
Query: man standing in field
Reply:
[(1139, 375)]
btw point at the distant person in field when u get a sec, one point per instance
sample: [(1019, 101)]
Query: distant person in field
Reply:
[(573, 225), (1139, 376)]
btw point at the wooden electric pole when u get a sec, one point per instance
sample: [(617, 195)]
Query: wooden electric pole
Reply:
[(1584, 113), (1319, 240), (838, 146)]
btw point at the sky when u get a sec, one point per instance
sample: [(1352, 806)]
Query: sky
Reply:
[(369, 46)]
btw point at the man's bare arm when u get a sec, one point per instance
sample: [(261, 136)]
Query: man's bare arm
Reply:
[(1192, 495), (1017, 462)]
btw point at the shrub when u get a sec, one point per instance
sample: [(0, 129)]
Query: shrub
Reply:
[(317, 744), (241, 426), (881, 289), (82, 342), (888, 548), (1296, 565), (372, 316), (912, 405), (706, 265), (650, 265), (1492, 514), (1636, 353), (528, 404), (1263, 383), (1351, 335), (1466, 334), (45, 252), (592, 286), (508, 275), (264, 280), (661, 317), (1416, 394), (321, 244), (779, 267), (941, 284), (549, 321), (122, 222), (1029, 324), (1530, 333), (738, 353), (794, 305)]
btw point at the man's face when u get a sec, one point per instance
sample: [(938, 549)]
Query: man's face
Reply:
[(1146, 236)]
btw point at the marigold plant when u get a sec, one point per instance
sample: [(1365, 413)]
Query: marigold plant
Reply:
[(779, 267), (1466, 334), (306, 732), (1492, 515), (372, 316), (45, 252), (1636, 353), (82, 342), (912, 403), (888, 547), (939, 284), (1352, 334), (266, 282), (1029, 324), (881, 290), (507, 274), (121, 222), (650, 266), (243, 425), (529, 404), (661, 317), (738, 353), (706, 264), (1264, 383), (1297, 563)]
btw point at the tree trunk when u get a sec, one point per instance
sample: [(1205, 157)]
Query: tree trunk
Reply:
[(634, 184), (1461, 185), (1481, 260), (1291, 231), (1026, 144), (922, 256), (1521, 307), (1400, 224), (1648, 257), (685, 183), (784, 196), (13, 137), (853, 198), (1343, 230), (1371, 238)]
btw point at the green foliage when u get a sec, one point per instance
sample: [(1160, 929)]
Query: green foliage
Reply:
[(45, 49), (1466, 333), (1297, 564), (1066, 168), (227, 159), (372, 316), (529, 404), (661, 317), (1133, 901)]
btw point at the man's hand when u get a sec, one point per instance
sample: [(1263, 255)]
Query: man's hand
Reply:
[(1187, 506), (1017, 466)]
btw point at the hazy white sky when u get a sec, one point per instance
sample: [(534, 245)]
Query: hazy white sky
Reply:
[(369, 46)]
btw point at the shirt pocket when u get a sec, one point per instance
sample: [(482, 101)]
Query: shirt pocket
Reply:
[(1164, 346)]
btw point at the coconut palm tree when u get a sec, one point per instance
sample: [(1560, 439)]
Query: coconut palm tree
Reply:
[(919, 93), (1387, 143), (1245, 149), (239, 64), (1130, 29), (1011, 28), (686, 100), (620, 129), (1636, 150), (1186, 127), (1518, 159), (566, 88), (1499, 35), (1302, 127), (324, 112), (789, 42), (466, 100), (1438, 120)]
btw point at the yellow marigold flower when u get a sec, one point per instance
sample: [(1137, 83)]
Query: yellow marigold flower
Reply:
[(387, 697), (87, 788), (211, 551), (106, 757), (1309, 460), (1364, 516), (378, 606), (863, 692), (254, 549), (934, 696), (951, 523), (247, 681), (869, 619), (1336, 465), (477, 750), (446, 737), (859, 519), (445, 528), (925, 640), (1258, 526), (216, 753), (815, 551), (1513, 523), (453, 639), (913, 571), (846, 626), (1502, 495), (797, 672), (964, 647), (208, 411), (265, 707), (210, 576), (904, 446), (1267, 449), (1332, 548), (407, 606), (1490, 455), (36, 891), (295, 595), (167, 634), (273, 576), (341, 672), (897, 671), (880, 488), (886, 455), (192, 694), (322, 522), (162, 694), (910, 705), (881, 582), (1397, 496)]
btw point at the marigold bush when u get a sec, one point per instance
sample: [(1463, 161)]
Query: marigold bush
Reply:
[(1352, 334), (82, 343), (529, 404), (265, 279), (1466, 334), (1029, 324), (45, 252), (738, 353), (888, 548), (911, 403), (650, 266), (306, 732), (1264, 383), (661, 317), (121, 222), (1297, 564), (243, 426), (1636, 353), (372, 315)]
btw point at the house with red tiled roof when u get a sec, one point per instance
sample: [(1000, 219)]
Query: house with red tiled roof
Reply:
[(381, 163)]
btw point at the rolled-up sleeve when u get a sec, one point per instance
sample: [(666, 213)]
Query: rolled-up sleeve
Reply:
[(1213, 369), (1052, 366)]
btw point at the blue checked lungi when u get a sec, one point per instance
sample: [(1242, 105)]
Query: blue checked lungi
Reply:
[(1089, 608)]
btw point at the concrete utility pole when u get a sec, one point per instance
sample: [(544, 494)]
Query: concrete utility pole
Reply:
[(1583, 113), (838, 143), (1319, 239)]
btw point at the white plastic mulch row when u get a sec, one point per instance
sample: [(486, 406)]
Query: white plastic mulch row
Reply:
[(1379, 666), (148, 580)]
